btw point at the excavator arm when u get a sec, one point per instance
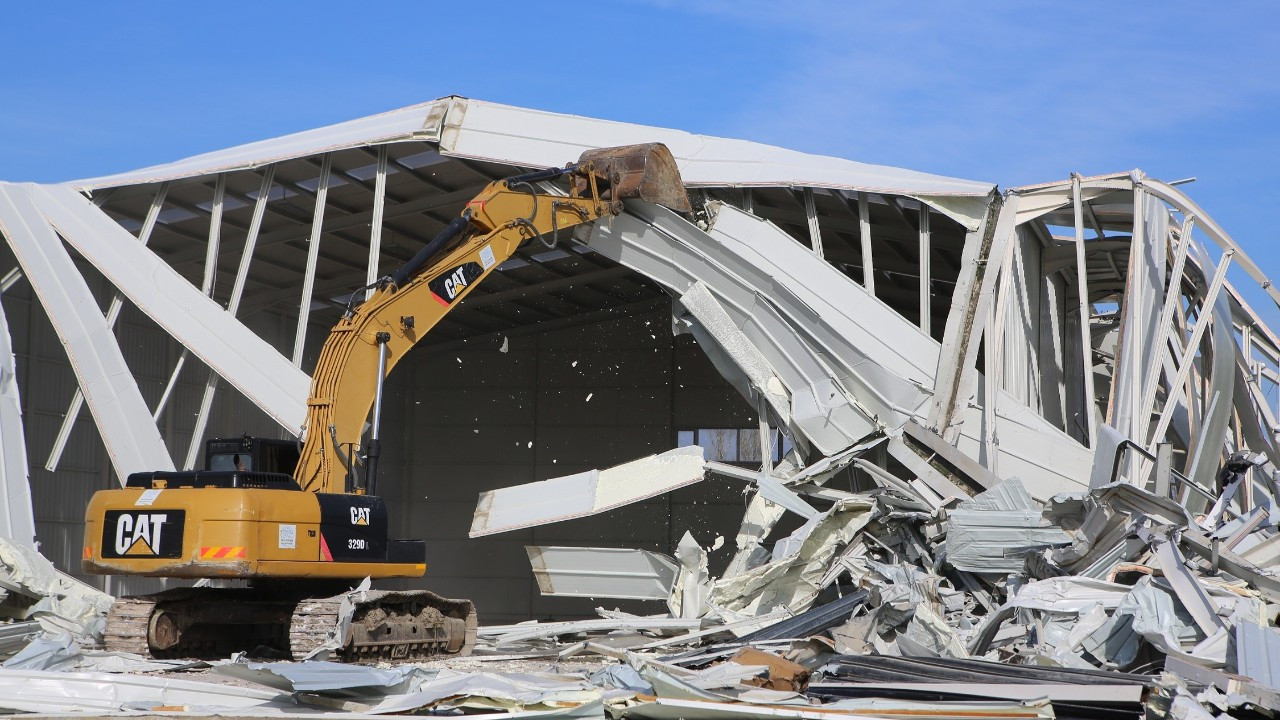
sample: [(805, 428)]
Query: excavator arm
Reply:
[(372, 338)]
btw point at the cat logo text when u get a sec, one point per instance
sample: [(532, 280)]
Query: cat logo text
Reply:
[(151, 534)]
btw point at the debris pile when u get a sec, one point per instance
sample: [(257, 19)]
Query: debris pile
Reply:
[(1120, 579), (36, 599), (890, 603)]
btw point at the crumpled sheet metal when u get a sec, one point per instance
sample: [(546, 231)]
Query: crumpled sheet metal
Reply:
[(1258, 653), (793, 582), (588, 493), (43, 691), (994, 531), (509, 691), (14, 636), (45, 653), (321, 676), (500, 635), (688, 594), (61, 603)]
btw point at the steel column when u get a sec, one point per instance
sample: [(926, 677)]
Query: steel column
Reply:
[(864, 234), (375, 232), (811, 214), (926, 307), (1164, 326), (1086, 337), (206, 285), (313, 253)]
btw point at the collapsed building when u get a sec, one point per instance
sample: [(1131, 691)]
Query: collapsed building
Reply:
[(920, 416)]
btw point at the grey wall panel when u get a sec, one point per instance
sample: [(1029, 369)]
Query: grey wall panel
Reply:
[(537, 392)]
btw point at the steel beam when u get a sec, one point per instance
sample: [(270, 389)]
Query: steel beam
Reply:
[(926, 309), (1189, 352), (1086, 314), (112, 314)]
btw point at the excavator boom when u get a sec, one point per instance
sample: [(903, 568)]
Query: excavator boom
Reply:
[(405, 306)]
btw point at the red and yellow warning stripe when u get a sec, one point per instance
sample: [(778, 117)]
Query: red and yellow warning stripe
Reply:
[(222, 553)]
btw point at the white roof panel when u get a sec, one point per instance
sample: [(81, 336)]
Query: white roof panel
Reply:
[(534, 138)]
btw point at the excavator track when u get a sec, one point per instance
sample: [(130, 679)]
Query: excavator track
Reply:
[(387, 625), (127, 623), (215, 622)]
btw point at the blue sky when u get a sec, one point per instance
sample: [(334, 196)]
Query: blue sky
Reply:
[(1012, 93)]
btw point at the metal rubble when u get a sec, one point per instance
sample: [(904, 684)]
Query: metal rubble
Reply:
[(1101, 604)]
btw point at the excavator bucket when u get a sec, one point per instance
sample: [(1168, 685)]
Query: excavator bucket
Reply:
[(647, 172)]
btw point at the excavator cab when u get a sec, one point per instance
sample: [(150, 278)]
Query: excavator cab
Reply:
[(249, 453)]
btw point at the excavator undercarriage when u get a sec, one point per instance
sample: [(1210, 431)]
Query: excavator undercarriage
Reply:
[(366, 626)]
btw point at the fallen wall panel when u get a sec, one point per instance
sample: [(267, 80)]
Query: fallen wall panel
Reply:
[(588, 493), (593, 572)]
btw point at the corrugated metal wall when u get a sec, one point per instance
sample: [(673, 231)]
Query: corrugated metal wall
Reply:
[(554, 404)]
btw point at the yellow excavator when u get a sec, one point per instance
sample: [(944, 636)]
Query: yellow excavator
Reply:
[(302, 525)]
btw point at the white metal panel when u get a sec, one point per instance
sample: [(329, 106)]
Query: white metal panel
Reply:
[(520, 136), (588, 493), (677, 254), (413, 122), (245, 360), (128, 432), (867, 325), (1046, 459), (621, 573), (535, 138), (17, 522), (847, 359)]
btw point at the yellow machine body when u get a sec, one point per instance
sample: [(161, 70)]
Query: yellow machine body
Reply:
[(241, 533)]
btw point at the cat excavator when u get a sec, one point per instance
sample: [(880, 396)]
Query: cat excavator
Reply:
[(301, 526)]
